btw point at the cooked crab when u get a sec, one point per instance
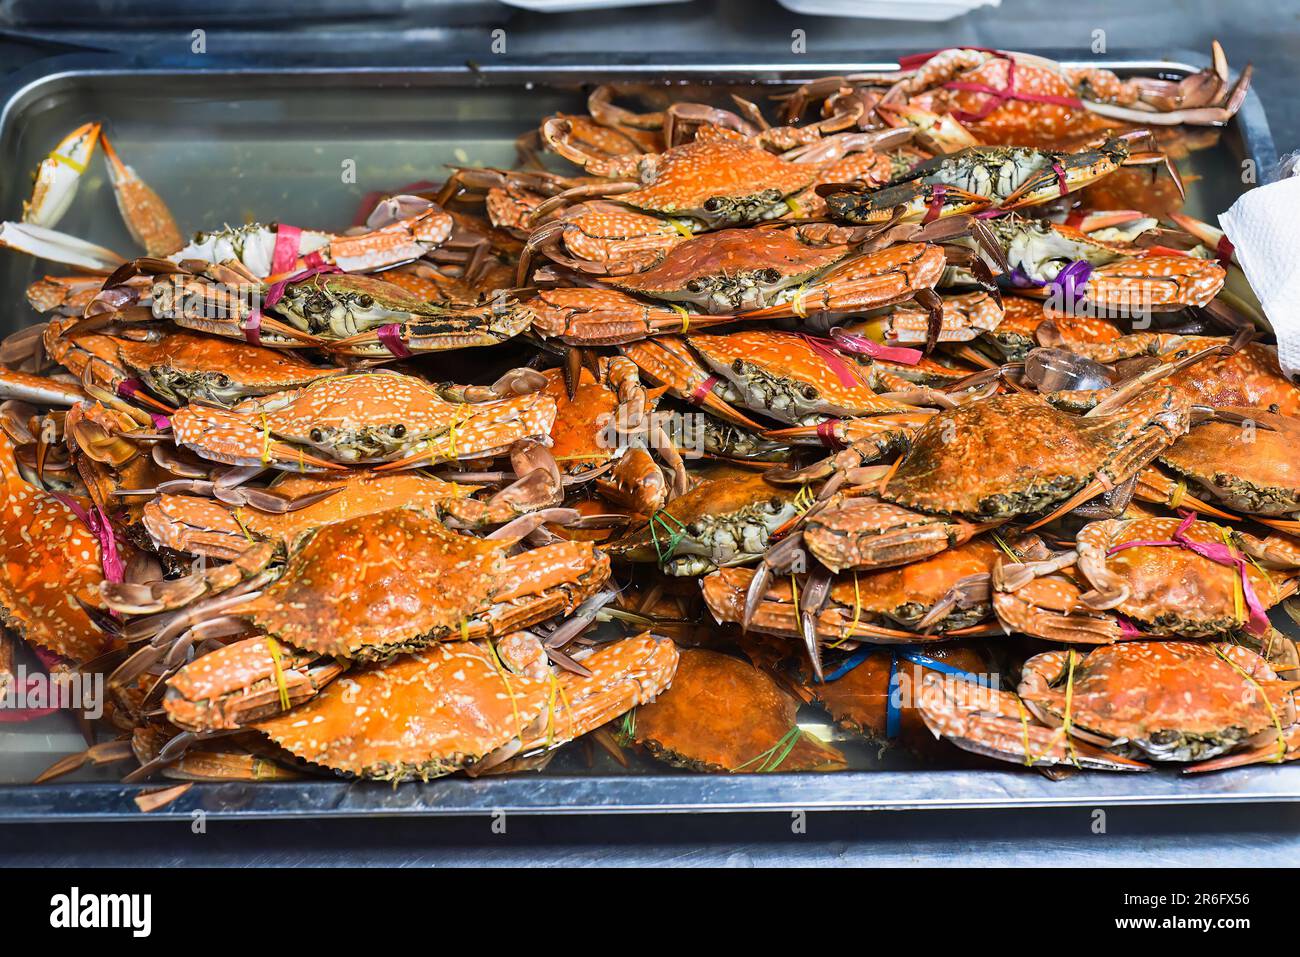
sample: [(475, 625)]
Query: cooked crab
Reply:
[(468, 705), (1123, 704), (725, 715)]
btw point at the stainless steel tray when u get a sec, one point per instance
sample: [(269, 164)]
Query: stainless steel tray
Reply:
[(224, 145)]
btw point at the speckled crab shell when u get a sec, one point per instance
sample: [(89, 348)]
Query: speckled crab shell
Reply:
[(1250, 377), (402, 415), (1162, 700), (1013, 120), (51, 566), (450, 706), (782, 375), (721, 182), (1170, 590), (372, 586), (723, 714), (1251, 470), (733, 269), (607, 237), (1019, 330), (196, 524), (183, 366), (1012, 455)]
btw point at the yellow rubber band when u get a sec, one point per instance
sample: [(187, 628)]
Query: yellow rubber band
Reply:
[(1272, 712), (682, 228), (501, 672), (1024, 729), (857, 613), (1238, 595), (796, 304), (266, 440), (1176, 496), (273, 647), (686, 316), (69, 162), (1069, 699), (240, 522), (793, 205)]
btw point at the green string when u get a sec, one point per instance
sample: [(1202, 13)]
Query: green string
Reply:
[(773, 757), (674, 536)]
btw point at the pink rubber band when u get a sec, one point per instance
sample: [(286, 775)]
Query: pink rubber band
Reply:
[(288, 240), (1258, 623), (848, 378), (99, 525), (851, 342), (703, 389), (391, 336)]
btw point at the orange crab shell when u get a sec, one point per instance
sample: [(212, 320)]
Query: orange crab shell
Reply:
[(1252, 470), (1009, 452), (1173, 590), (355, 401), (1251, 377), (729, 252), (788, 356), (194, 523), (1022, 318), (690, 175), (51, 566), (365, 587), (1139, 690), (865, 533), (251, 368), (723, 714), (419, 716), (1158, 283), (576, 437), (906, 592), (1012, 121)]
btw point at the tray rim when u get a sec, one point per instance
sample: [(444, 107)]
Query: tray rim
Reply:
[(627, 793)]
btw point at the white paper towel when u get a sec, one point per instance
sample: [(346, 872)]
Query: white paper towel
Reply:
[(1264, 227)]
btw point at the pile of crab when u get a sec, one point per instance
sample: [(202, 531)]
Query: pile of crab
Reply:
[(926, 407)]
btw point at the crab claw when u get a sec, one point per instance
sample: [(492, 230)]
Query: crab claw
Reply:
[(58, 177), (146, 216)]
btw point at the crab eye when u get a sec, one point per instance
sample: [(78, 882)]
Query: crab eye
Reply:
[(365, 302), (712, 204), (317, 435), (695, 285), (223, 380), (399, 430), (771, 275), (738, 366), (809, 392)]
